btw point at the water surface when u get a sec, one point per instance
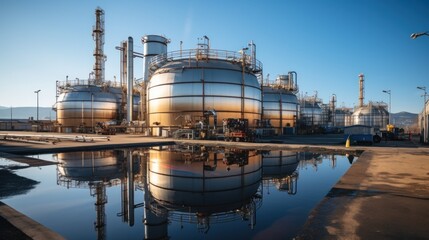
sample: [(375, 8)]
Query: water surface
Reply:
[(177, 192)]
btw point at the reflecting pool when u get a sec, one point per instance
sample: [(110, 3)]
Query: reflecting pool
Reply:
[(177, 192)]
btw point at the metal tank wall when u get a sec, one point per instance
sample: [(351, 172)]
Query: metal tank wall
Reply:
[(185, 84), (85, 105), (343, 117), (374, 115), (311, 113), (280, 105), (152, 45)]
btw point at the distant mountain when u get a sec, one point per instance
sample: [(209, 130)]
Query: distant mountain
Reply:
[(404, 119), (45, 113)]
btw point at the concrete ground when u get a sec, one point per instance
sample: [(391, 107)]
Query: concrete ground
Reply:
[(384, 195)]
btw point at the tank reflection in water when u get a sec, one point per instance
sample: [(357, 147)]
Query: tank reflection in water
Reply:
[(203, 185), (97, 170), (180, 192)]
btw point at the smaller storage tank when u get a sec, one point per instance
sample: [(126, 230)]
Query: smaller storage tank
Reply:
[(280, 104), (373, 114), (81, 105), (343, 117), (311, 113)]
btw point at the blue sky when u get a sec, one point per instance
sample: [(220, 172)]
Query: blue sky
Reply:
[(327, 42)]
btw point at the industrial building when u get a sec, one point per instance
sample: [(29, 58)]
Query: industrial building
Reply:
[(185, 89), (200, 92)]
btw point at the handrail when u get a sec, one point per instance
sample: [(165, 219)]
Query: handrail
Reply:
[(203, 54), (87, 82)]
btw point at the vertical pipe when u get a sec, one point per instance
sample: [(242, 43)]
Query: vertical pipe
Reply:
[(130, 188), (293, 80), (123, 65), (281, 114), (92, 112), (242, 82), (130, 74), (253, 54), (361, 90)]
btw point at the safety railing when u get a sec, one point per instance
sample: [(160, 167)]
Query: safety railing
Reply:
[(87, 82), (204, 54)]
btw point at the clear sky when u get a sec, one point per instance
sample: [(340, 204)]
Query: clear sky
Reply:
[(327, 42)]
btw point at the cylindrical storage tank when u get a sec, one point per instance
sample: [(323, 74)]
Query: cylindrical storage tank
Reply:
[(311, 113), (85, 105), (152, 45), (342, 117), (185, 85), (281, 107), (371, 115)]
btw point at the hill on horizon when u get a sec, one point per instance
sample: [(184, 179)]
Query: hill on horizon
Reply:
[(45, 113)]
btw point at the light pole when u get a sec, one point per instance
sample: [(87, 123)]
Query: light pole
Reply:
[(390, 104), (416, 35), (425, 130), (424, 114), (37, 92)]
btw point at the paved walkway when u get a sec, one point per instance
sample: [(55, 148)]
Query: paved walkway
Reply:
[(384, 195)]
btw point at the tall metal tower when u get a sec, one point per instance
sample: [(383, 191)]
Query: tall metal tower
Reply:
[(98, 36), (361, 90)]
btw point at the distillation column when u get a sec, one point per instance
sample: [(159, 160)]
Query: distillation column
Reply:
[(98, 35), (361, 90)]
